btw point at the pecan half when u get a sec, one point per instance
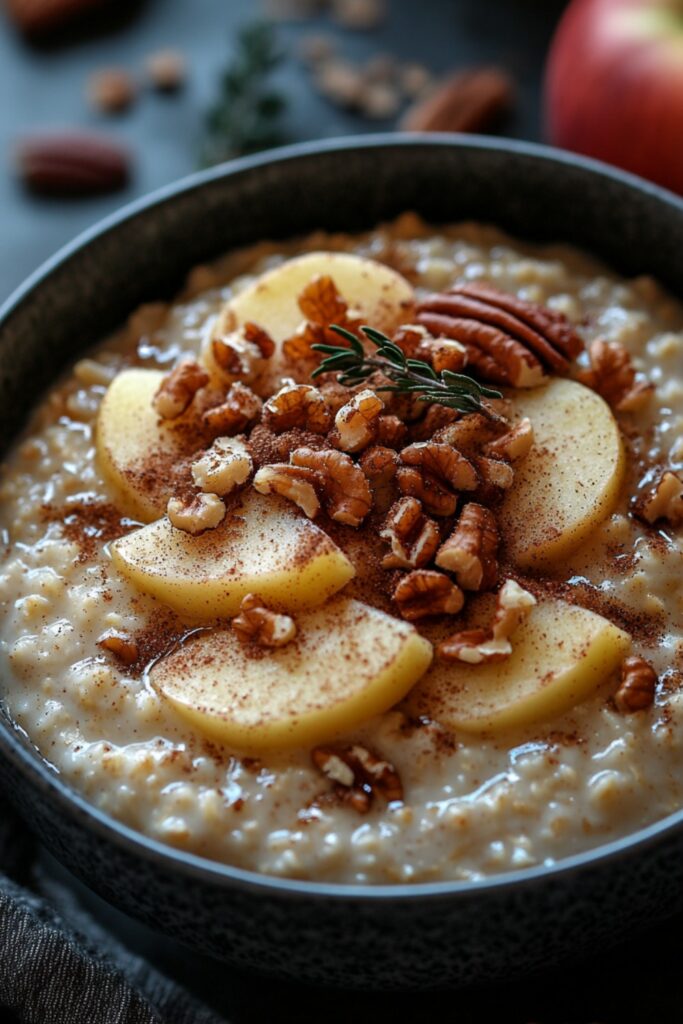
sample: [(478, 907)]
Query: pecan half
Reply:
[(258, 624), (345, 489), (177, 389), (432, 472), (358, 775), (664, 500), (240, 409), (297, 405), (72, 164), (613, 376), (469, 101), (295, 483), (508, 340), (471, 550), (413, 536), (423, 592), (356, 423), (637, 688)]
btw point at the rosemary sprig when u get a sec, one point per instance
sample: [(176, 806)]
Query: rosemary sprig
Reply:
[(409, 376), (244, 118)]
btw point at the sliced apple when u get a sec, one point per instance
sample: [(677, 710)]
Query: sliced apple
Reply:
[(570, 480), (262, 546), (347, 663), (136, 450), (378, 294), (560, 655)]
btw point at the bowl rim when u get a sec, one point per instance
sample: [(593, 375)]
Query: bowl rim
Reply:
[(38, 769)]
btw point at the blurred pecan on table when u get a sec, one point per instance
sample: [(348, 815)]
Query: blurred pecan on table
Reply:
[(37, 16), (71, 163)]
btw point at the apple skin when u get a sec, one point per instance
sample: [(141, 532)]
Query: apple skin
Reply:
[(614, 85)]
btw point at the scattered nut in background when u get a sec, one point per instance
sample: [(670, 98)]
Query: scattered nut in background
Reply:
[(72, 164), (111, 90), (166, 70)]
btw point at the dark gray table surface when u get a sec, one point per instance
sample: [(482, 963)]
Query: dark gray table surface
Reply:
[(43, 86)]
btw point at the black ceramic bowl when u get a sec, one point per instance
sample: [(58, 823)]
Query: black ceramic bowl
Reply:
[(449, 933)]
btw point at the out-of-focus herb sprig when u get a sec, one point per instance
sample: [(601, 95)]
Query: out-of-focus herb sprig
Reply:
[(245, 116), (409, 376)]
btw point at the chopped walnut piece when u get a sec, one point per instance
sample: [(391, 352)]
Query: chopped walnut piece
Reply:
[(435, 419), (514, 445), (224, 466), (445, 354), (424, 592), (637, 689), (345, 489), (177, 389), (613, 376), (297, 405), (321, 305), (259, 625), (197, 514), (432, 472), (391, 432), (494, 473), (240, 409), (256, 335), (468, 434), (663, 501), (295, 483), (241, 352), (358, 775), (475, 646), (470, 551), (413, 536), (121, 645), (355, 425)]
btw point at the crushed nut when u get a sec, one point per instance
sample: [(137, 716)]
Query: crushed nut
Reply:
[(476, 646), (432, 472), (224, 466), (468, 434), (297, 405), (379, 465), (663, 501), (241, 352), (413, 536), (470, 551), (111, 90), (197, 514), (177, 389), (240, 409), (391, 432), (637, 689), (258, 624), (613, 376), (358, 775), (424, 592), (514, 445), (345, 489), (121, 645), (493, 472), (321, 305), (295, 483), (356, 422), (166, 70)]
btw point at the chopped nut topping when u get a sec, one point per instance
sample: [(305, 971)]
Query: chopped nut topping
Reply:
[(356, 422), (296, 483), (637, 689), (435, 419), (119, 644), (493, 472), (379, 464), (257, 624), (178, 388), (432, 472), (195, 515), (414, 538), (663, 501), (391, 432), (424, 592), (241, 352), (470, 551), (514, 445), (321, 305), (224, 466), (475, 646), (345, 489), (297, 405), (468, 434), (358, 775), (613, 376), (445, 354), (240, 409)]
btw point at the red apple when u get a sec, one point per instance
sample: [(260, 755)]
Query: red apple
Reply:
[(614, 85)]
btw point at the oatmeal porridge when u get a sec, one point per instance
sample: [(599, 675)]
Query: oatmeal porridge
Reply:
[(274, 614)]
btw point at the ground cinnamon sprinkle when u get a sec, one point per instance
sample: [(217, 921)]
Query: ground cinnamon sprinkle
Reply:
[(89, 522), (161, 633)]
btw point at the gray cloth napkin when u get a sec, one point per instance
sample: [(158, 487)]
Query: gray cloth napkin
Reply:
[(57, 966)]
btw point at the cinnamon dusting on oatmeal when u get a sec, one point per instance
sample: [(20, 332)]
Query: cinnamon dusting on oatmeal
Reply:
[(89, 522)]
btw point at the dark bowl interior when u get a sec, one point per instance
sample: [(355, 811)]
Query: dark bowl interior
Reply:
[(419, 936)]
